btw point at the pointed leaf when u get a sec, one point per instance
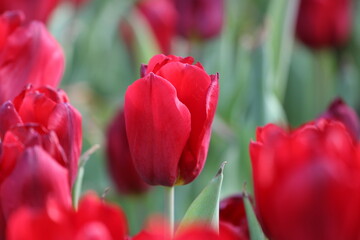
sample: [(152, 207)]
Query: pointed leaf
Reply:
[(256, 232), (205, 208)]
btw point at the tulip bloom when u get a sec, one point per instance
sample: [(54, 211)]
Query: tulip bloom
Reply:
[(35, 177), (324, 23), (34, 10), (338, 110), (120, 162), (200, 18), (168, 116), (93, 220), (28, 54), (50, 110), (307, 182), (233, 217)]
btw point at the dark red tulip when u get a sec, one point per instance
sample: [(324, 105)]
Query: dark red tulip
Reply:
[(233, 217), (120, 162), (33, 9), (28, 54), (94, 220), (307, 182), (324, 23), (168, 116), (35, 177), (200, 18), (50, 109), (340, 111), (161, 16)]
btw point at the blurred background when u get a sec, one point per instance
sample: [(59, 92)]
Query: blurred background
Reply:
[(279, 61)]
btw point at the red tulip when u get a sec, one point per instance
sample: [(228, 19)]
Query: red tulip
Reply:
[(28, 54), (324, 23), (233, 217), (168, 116), (307, 182), (161, 16), (50, 109), (34, 9), (120, 162), (338, 110), (35, 177), (158, 230), (200, 18), (94, 220)]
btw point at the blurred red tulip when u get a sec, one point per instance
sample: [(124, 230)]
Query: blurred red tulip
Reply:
[(324, 23), (233, 217), (158, 230), (340, 111), (28, 54), (307, 182), (33, 9), (200, 18), (35, 177), (168, 116), (94, 220), (120, 163), (161, 16), (50, 109)]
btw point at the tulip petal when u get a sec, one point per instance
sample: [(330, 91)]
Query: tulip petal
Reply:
[(156, 137), (8, 118), (199, 92), (35, 177), (65, 121)]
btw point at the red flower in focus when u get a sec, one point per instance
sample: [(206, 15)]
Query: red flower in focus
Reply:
[(120, 162), (233, 217), (168, 116), (307, 182), (28, 54), (34, 10), (338, 110), (94, 220), (50, 110), (324, 23), (200, 18)]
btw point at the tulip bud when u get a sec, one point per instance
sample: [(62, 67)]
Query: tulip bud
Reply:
[(28, 54), (324, 23), (233, 217), (307, 182), (120, 162), (34, 10), (200, 18), (50, 109), (338, 110), (94, 220), (168, 116)]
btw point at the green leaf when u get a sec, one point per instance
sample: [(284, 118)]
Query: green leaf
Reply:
[(76, 191), (256, 232), (280, 24), (205, 208)]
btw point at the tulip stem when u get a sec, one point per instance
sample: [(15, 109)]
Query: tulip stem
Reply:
[(169, 208)]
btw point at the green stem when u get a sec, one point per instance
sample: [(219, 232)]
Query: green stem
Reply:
[(169, 208)]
